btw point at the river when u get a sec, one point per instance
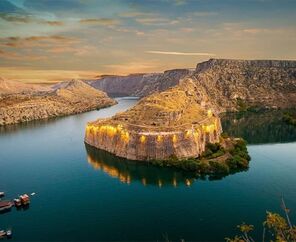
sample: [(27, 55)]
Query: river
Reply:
[(87, 195)]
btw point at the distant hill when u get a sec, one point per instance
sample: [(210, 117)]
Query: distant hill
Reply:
[(9, 87), (139, 84), (63, 99)]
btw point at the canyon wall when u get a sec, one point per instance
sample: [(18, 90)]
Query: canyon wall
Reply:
[(139, 84), (174, 123), (241, 84), (232, 85)]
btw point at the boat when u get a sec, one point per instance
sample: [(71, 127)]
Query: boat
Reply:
[(2, 194), (5, 205), (2, 234), (25, 199), (7, 233), (17, 202)]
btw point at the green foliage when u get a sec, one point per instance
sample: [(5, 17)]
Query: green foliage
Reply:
[(213, 151), (280, 229), (212, 162), (219, 167), (290, 118)]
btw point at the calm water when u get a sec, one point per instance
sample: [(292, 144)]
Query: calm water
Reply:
[(86, 195)]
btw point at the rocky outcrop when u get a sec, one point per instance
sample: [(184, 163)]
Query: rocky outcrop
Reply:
[(64, 99), (242, 84), (178, 123), (139, 84)]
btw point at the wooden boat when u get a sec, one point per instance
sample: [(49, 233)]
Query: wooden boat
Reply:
[(5, 205), (2, 234)]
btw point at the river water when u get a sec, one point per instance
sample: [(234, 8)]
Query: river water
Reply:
[(87, 195)]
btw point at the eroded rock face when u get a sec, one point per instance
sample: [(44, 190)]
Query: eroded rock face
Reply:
[(139, 84), (230, 84), (258, 83), (64, 99), (174, 123)]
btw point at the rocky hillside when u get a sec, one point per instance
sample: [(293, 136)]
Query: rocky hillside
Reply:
[(67, 98), (240, 84), (139, 84), (230, 84)]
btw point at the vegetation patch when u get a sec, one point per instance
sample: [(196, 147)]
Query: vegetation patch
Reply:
[(290, 118), (228, 156)]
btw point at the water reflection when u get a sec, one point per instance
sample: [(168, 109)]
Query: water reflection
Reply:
[(130, 171), (259, 128)]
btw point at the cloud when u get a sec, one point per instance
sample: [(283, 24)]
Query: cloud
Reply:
[(38, 41), (8, 55), (204, 14), (180, 2), (100, 21), (156, 21), (179, 53), (26, 19), (15, 18)]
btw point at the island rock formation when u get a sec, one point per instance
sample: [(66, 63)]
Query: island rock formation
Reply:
[(178, 122), (63, 99)]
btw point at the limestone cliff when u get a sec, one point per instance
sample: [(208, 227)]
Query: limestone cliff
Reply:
[(236, 84), (230, 84), (177, 122), (139, 84), (65, 99)]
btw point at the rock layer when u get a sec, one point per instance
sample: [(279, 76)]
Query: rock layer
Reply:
[(174, 123), (68, 98), (231, 84)]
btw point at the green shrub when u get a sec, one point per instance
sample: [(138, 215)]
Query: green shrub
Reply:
[(218, 167)]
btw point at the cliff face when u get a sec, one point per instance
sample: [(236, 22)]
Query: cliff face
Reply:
[(177, 122), (139, 84), (231, 84), (65, 99)]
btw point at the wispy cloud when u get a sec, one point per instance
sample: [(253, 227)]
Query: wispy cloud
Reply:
[(26, 19), (180, 2), (179, 53), (100, 21)]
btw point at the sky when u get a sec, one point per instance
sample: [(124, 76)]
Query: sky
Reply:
[(53, 40)]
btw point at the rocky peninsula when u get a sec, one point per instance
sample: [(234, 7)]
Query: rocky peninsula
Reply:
[(172, 123), (22, 103), (178, 127)]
